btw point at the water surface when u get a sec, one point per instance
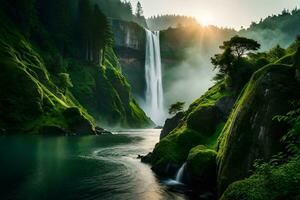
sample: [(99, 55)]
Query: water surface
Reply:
[(88, 167)]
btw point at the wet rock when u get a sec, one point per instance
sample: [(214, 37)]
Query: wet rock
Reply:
[(171, 124), (146, 158)]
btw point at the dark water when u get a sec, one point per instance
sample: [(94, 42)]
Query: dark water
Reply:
[(90, 167)]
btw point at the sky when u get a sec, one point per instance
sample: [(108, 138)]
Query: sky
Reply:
[(223, 13)]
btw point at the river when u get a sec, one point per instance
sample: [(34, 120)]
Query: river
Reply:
[(86, 167)]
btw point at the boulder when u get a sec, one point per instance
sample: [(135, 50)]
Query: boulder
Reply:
[(77, 123), (201, 169)]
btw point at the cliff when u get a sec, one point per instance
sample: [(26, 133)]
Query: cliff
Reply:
[(50, 84), (130, 41), (251, 123)]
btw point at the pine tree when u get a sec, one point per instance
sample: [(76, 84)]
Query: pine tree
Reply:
[(139, 10)]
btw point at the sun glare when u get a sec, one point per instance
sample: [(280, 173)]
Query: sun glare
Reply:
[(204, 20)]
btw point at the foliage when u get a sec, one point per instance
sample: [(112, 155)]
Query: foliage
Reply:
[(176, 107), (292, 138), (275, 29), (163, 22), (268, 182), (42, 44), (116, 9), (175, 147), (240, 45), (231, 64)]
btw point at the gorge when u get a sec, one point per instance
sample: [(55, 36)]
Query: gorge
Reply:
[(85, 86)]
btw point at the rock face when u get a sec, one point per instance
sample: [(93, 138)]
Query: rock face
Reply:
[(171, 124), (250, 132), (130, 41)]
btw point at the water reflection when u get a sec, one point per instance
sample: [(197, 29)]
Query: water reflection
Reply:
[(91, 167)]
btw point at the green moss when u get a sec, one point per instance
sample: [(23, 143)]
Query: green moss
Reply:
[(106, 94), (202, 162), (29, 100), (175, 147), (287, 59), (267, 94), (268, 183), (196, 128)]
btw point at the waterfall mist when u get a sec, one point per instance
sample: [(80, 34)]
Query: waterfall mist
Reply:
[(190, 78), (154, 98)]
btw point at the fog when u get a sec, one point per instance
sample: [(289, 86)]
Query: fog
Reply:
[(189, 79)]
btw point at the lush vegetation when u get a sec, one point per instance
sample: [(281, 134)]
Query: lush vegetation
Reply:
[(60, 52), (176, 107), (275, 29), (262, 85)]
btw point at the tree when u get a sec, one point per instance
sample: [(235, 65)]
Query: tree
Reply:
[(224, 63), (176, 107), (139, 10), (234, 50), (276, 53), (240, 45)]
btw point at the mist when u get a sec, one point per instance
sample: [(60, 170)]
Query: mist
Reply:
[(189, 79)]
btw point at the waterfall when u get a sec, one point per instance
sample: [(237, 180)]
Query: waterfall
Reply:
[(179, 175), (153, 74)]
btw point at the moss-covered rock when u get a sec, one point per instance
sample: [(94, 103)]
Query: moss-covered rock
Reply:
[(171, 124), (29, 100), (269, 183), (201, 124), (250, 133), (201, 169), (77, 122), (106, 94)]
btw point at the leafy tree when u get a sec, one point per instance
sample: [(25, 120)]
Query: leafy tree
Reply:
[(276, 53), (231, 59), (240, 45), (176, 107), (224, 63)]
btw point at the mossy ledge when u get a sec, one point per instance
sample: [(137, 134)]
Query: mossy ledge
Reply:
[(200, 125)]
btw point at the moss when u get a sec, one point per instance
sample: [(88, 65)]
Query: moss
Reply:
[(175, 147), (106, 94), (267, 94), (201, 162), (269, 183), (29, 100), (287, 59), (196, 128)]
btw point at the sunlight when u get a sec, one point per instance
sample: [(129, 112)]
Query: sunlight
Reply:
[(204, 19)]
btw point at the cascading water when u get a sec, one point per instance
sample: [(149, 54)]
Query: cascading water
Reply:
[(153, 74), (179, 175)]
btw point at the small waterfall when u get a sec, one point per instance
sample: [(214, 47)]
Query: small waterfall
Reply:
[(179, 175), (153, 75)]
